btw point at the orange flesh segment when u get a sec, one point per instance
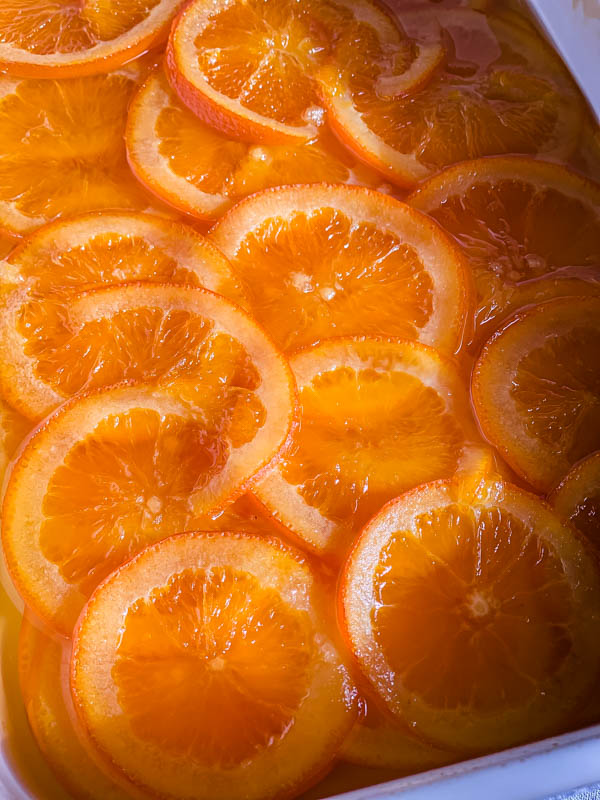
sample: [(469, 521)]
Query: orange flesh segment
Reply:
[(243, 613), (43, 662), (536, 389), (376, 420), (196, 169), (73, 163), (530, 230), (327, 261), (500, 90), (474, 614), (577, 498)]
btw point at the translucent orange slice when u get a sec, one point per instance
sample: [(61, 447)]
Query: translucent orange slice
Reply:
[(13, 429), (209, 663), (530, 229), (202, 172), (44, 677), (536, 388), (500, 90), (377, 418), (321, 261), (378, 741), (247, 68), (64, 39), (577, 497), (116, 470), (75, 161), (475, 614)]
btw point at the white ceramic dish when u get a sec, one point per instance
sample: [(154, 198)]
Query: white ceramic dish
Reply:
[(535, 771)]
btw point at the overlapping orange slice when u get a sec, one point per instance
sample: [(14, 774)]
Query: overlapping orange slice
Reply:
[(209, 662), (378, 417), (321, 261), (65, 39), (202, 172), (577, 497), (530, 229), (475, 613), (536, 388), (63, 150), (499, 90)]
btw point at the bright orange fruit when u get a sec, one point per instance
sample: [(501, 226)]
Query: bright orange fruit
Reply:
[(321, 261), (577, 497), (530, 229), (475, 614), (536, 388), (115, 470), (13, 429), (377, 418), (482, 101), (43, 673), (63, 39), (202, 172), (246, 67), (209, 663), (75, 161), (379, 741)]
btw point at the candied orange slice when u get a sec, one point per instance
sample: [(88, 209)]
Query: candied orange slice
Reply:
[(75, 161), (378, 741), (209, 662), (377, 417), (247, 515), (475, 613), (115, 470), (577, 497), (66, 38), (44, 678), (245, 67), (321, 261), (53, 348), (500, 90), (202, 172), (531, 230), (536, 388), (13, 429)]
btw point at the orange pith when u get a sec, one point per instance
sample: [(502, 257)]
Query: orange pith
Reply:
[(577, 498), (137, 332), (536, 388), (474, 612), (324, 261), (76, 160), (499, 90), (376, 418), (118, 469), (530, 229), (377, 740), (202, 172), (43, 663), (245, 615), (67, 38)]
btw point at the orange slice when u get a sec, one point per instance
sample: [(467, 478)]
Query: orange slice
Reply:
[(536, 388), (208, 663), (245, 515), (63, 39), (378, 741), (115, 470), (483, 100), (245, 67), (7, 243), (321, 261), (475, 614), (141, 332), (577, 497), (75, 161), (13, 429), (202, 172), (377, 417), (530, 229), (44, 677)]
